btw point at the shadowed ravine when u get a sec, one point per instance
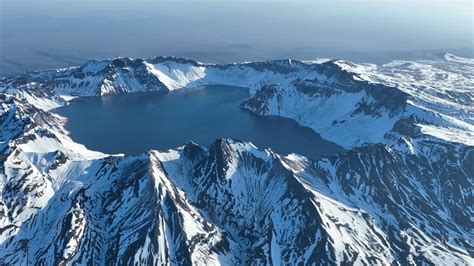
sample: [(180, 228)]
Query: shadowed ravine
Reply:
[(399, 194)]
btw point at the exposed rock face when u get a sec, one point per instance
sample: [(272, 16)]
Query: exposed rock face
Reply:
[(402, 193)]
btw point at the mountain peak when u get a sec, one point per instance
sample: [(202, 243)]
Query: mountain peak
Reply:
[(396, 195)]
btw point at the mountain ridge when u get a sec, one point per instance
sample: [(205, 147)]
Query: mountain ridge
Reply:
[(403, 197), (360, 87)]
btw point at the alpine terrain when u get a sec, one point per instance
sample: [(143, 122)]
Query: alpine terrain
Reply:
[(401, 193)]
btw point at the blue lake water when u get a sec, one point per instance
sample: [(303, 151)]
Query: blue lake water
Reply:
[(136, 123)]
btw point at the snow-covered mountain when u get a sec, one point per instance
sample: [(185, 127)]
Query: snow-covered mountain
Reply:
[(401, 193)]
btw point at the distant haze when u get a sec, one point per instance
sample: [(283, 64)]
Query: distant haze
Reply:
[(52, 34)]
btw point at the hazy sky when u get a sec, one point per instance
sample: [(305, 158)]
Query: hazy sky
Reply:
[(45, 34)]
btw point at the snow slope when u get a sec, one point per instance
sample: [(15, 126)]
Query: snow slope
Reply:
[(400, 194), (346, 103)]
